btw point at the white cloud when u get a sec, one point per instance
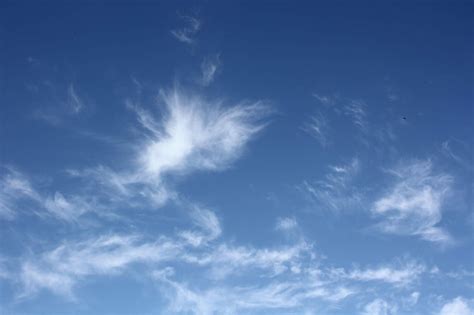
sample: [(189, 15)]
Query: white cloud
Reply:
[(190, 134), (66, 209), (225, 259), (187, 33), (208, 223), (379, 307), (195, 134), (238, 300), (400, 275), (60, 269), (457, 306), (209, 69), (19, 195), (413, 205)]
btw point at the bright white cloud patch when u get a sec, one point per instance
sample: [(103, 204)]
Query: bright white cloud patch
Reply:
[(457, 306), (413, 206), (198, 135)]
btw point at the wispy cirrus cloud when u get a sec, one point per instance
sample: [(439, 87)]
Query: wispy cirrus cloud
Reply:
[(237, 300), (291, 277), (19, 195), (15, 187), (198, 135), (210, 67), (459, 152), (318, 127), (187, 33), (57, 102), (208, 224), (335, 191), (59, 270), (356, 110), (189, 134), (400, 274), (74, 102), (413, 206)]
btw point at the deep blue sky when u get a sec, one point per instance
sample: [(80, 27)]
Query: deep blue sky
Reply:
[(246, 157)]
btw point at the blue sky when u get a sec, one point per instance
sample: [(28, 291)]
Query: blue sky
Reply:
[(236, 158)]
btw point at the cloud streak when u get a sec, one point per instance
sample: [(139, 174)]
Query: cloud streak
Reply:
[(209, 69)]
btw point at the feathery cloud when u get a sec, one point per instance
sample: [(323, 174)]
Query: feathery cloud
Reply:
[(74, 102), (401, 275), (335, 191), (60, 269), (19, 194), (318, 128), (15, 187), (413, 205), (198, 135)]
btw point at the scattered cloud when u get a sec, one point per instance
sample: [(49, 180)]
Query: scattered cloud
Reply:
[(413, 205), (60, 269), (198, 135), (379, 307), (459, 152), (286, 224), (336, 191), (318, 128), (187, 33), (189, 134), (400, 275), (75, 104), (291, 277), (356, 110), (210, 67), (457, 306), (208, 224), (15, 188), (19, 195), (238, 300), (325, 100)]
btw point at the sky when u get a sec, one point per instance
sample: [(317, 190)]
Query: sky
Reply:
[(236, 157)]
